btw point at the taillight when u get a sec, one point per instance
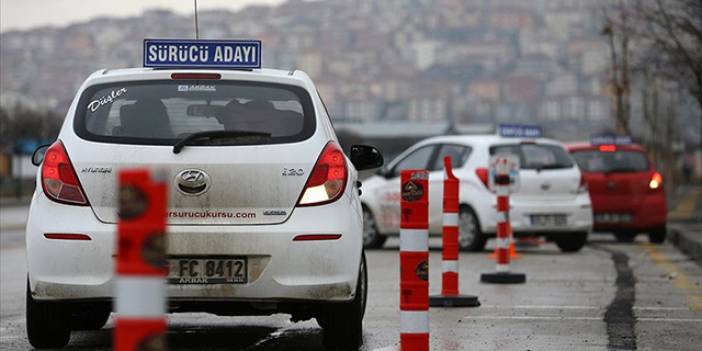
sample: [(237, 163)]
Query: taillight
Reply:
[(656, 181), (328, 179), (58, 178), (482, 174), (608, 148)]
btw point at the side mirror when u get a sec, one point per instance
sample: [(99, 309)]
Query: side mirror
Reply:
[(365, 157), (38, 155)]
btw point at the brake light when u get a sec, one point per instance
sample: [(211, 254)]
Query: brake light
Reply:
[(656, 181), (328, 178), (608, 148), (196, 76), (482, 174), (58, 178)]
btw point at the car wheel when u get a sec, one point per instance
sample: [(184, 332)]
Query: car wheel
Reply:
[(47, 323), (91, 318), (658, 236), (571, 242), (372, 239), (470, 238), (342, 324), (625, 237)]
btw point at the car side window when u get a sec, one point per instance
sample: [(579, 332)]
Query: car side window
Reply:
[(418, 159), (459, 154)]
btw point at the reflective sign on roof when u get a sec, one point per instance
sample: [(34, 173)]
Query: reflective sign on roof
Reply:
[(176, 53)]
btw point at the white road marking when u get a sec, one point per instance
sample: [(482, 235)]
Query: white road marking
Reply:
[(566, 307), (561, 318)]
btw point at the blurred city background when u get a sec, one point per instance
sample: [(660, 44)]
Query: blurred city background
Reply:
[(395, 71)]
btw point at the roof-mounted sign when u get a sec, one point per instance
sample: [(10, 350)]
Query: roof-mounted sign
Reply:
[(610, 139), (519, 131), (176, 53)]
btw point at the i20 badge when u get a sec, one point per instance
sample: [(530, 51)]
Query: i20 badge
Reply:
[(192, 181)]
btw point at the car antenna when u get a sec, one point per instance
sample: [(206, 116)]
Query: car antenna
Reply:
[(197, 32)]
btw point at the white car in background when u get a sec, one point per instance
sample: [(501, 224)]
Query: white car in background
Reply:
[(256, 178), (552, 200)]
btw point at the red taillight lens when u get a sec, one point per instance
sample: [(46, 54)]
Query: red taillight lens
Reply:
[(656, 181), (58, 178), (482, 174), (328, 178), (196, 76), (608, 148)]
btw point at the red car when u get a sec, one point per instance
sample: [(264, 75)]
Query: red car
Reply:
[(625, 189)]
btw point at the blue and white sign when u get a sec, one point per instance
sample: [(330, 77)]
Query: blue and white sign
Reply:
[(176, 53), (610, 139), (519, 131)]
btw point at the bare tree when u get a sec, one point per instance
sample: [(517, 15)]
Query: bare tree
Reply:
[(619, 33), (673, 31)]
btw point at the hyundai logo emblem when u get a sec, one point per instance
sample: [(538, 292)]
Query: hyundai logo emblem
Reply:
[(192, 181)]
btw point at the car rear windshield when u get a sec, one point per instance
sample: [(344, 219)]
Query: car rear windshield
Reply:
[(536, 156), (617, 161), (163, 112)]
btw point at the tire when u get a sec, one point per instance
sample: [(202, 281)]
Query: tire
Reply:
[(372, 239), (657, 236), (571, 242), (342, 324), (625, 237), (91, 318), (470, 237), (48, 323)]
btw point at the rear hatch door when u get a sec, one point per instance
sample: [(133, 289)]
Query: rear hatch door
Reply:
[(252, 177)]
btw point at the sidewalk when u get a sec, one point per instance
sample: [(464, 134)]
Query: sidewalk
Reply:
[(685, 221)]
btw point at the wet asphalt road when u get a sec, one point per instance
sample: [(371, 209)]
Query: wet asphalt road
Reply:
[(608, 296)]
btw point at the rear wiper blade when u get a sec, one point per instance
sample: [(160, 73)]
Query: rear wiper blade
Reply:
[(214, 134)]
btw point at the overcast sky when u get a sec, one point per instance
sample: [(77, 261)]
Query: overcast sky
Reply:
[(23, 14)]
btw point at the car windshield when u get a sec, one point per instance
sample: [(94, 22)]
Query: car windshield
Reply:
[(617, 161), (536, 156), (163, 112)]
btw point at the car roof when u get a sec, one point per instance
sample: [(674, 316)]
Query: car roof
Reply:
[(295, 77), (485, 139)]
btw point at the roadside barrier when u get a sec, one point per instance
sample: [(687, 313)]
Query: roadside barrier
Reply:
[(414, 260), (502, 181), (141, 265), (450, 296)]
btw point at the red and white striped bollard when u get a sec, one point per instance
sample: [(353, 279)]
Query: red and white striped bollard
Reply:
[(141, 267), (450, 296), (502, 181), (414, 261)]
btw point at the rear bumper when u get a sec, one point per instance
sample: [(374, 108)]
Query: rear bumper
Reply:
[(577, 210), (648, 214), (279, 269)]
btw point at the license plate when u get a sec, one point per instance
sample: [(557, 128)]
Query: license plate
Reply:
[(607, 217), (208, 271), (555, 220)]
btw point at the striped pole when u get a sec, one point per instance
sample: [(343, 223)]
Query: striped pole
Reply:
[(502, 182), (449, 277), (141, 265), (414, 261)]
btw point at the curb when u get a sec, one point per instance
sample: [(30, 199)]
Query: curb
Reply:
[(687, 242)]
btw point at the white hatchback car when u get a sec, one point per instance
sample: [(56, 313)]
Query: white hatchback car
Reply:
[(275, 192), (552, 200)]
